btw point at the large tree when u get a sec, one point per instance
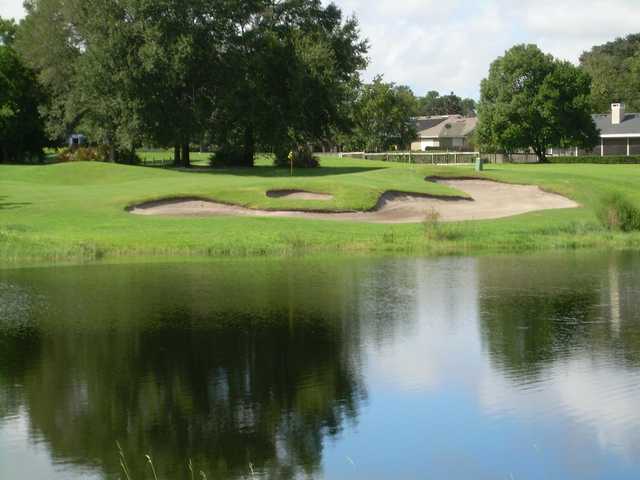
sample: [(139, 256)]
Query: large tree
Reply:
[(289, 71), (615, 71), (48, 42), (21, 127), (532, 101), (132, 70), (382, 117)]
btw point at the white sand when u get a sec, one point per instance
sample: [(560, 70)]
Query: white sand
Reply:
[(489, 200)]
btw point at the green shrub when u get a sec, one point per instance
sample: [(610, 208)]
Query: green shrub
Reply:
[(618, 159), (302, 157), (97, 154), (615, 212), (82, 154)]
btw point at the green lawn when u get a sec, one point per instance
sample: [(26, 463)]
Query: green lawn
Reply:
[(76, 212)]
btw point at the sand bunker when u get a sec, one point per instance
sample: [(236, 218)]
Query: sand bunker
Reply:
[(488, 200), (298, 195)]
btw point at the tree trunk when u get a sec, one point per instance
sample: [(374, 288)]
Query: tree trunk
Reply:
[(186, 161), (176, 155), (112, 153), (249, 146), (541, 153)]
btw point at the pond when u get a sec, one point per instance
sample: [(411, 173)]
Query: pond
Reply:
[(510, 367)]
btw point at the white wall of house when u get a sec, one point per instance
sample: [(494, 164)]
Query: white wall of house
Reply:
[(429, 143), (432, 143)]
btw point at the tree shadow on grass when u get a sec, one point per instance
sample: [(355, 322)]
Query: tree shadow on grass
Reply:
[(275, 172), (11, 205)]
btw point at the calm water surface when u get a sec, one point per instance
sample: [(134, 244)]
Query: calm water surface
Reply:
[(485, 368)]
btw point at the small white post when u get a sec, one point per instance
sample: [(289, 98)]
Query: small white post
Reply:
[(628, 147), (602, 146), (577, 151)]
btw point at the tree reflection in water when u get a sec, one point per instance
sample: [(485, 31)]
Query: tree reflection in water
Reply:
[(199, 378), (532, 316)]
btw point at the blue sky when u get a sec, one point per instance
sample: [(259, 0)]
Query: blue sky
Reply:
[(448, 45)]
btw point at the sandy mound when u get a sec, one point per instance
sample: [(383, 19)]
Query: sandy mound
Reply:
[(488, 200), (298, 195)]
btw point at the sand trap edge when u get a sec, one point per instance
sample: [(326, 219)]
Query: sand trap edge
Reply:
[(294, 194)]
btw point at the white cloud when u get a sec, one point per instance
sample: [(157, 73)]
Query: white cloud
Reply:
[(433, 45), (594, 395), (11, 9), (437, 309)]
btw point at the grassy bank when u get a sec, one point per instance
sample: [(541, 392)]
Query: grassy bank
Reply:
[(76, 212)]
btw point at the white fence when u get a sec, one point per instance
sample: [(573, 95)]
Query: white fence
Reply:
[(444, 158), (512, 158), (435, 158)]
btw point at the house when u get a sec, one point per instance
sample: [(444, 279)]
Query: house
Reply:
[(445, 132), (619, 134), (77, 140)]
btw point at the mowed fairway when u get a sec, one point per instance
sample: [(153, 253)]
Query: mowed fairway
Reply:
[(77, 211)]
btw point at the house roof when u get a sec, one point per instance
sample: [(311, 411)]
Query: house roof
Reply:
[(425, 123), (629, 126), (451, 126)]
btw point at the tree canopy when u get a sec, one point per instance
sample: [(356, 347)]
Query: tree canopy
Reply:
[(532, 101), (8, 29), (435, 104), (615, 71), (293, 67), (382, 117)]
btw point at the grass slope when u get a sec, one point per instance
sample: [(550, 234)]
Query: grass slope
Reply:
[(76, 212)]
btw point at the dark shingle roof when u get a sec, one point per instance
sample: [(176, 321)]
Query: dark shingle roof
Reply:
[(629, 126), (425, 123)]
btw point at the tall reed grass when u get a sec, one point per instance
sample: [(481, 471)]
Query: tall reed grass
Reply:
[(617, 213)]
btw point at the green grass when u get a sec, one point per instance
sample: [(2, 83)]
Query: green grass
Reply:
[(76, 212)]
